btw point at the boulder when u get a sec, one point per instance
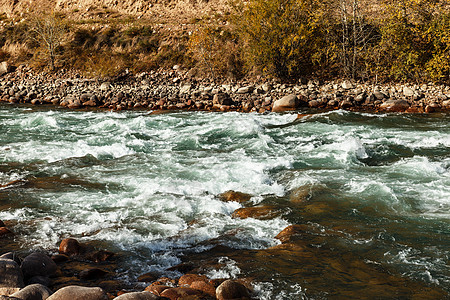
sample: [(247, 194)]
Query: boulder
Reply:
[(187, 279), (157, 289), (234, 196), (74, 292), (231, 289), (38, 264), (287, 234), (287, 103), (11, 256), (69, 247), (395, 105), (221, 99), (180, 293), (137, 296), (33, 292), (256, 212), (408, 92), (204, 287), (4, 68), (11, 275)]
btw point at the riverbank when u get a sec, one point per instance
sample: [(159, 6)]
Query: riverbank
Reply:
[(179, 89)]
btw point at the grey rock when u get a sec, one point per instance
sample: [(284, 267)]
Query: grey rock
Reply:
[(379, 95), (347, 85), (138, 296), (245, 90), (11, 274), (38, 264), (266, 87), (286, 103), (33, 292), (74, 292)]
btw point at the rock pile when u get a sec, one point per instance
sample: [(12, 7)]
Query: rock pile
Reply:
[(178, 90)]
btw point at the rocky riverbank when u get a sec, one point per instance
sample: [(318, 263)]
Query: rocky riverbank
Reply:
[(178, 89)]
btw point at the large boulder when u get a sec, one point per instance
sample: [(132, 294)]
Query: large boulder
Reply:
[(187, 279), (11, 277), (231, 289), (287, 103), (395, 105), (74, 292), (33, 292), (137, 296), (38, 264)]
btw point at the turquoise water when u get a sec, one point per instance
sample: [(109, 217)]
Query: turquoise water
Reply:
[(147, 186)]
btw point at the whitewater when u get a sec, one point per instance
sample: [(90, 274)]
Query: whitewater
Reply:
[(147, 186)]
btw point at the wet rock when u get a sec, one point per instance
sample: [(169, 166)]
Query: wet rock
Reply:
[(183, 267), (70, 247), (33, 292), (100, 256), (287, 103), (147, 277), (11, 279), (180, 293), (60, 258), (187, 279), (137, 296), (74, 292), (290, 232), (234, 196), (395, 105), (4, 232), (256, 212), (92, 274), (204, 287), (231, 289), (38, 264)]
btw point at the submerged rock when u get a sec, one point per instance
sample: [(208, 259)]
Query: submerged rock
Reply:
[(235, 196), (256, 212)]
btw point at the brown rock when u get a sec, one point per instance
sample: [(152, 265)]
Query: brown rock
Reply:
[(147, 277), (60, 258), (287, 103), (100, 256), (231, 289), (157, 289), (187, 279), (395, 105), (180, 293), (289, 232), (74, 292), (256, 212), (204, 287), (4, 231), (235, 196), (69, 247)]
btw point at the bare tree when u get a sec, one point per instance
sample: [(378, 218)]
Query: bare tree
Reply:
[(48, 30)]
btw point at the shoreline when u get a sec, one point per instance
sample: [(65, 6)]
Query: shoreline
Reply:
[(180, 90)]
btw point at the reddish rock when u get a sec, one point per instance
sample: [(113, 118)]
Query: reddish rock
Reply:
[(180, 293), (204, 287), (187, 279), (256, 212), (286, 234), (231, 289), (157, 289), (4, 231), (235, 196), (69, 247)]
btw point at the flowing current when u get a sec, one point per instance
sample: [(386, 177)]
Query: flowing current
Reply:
[(376, 213)]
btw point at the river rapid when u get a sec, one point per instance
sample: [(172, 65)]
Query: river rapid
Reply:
[(374, 218)]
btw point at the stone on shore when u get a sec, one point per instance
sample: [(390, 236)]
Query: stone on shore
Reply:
[(137, 296), (157, 289), (32, 292), (11, 277), (231, 289), (74, 292), (408, 92), (69, 247), (221, 99), (187, 279), (287, 103), (4, 68), (204, 287), (180, 293), (395, 105), (38, 264)]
